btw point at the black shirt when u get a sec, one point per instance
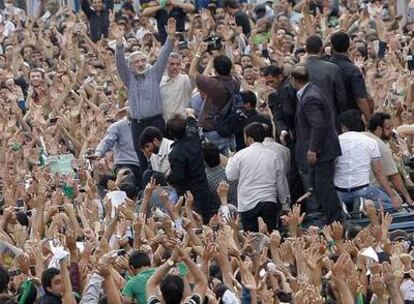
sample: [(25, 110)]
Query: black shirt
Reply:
[(99, 21), (162, 17), (49, 298), (243, 20), (188, 170), (353, 80), (283, 103)]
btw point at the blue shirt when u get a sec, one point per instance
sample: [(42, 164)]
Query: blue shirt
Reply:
[(119, 137), (144, 94)]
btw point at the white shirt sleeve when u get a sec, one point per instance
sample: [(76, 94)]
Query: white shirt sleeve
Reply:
[(374, 150), (233, 168)]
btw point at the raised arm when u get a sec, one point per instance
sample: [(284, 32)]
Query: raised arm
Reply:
[(188, 7), (166, 49), (151, 11), (86, 7), (191, 125), (121, 63)]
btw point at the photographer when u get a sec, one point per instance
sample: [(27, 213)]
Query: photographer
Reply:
[(218, 91)]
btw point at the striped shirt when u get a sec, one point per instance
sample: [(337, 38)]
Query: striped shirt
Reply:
[(144, 90)]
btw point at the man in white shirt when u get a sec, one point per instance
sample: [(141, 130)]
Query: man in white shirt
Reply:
[(176, 88), (156, 148), (282, 151), (352, 170), (262, 187)]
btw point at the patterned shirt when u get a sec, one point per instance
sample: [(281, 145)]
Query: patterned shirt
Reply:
[(215, 176), (144, 90)]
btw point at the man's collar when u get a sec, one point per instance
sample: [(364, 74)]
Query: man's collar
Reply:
[(342, 56), (313, 56), (302, 90)]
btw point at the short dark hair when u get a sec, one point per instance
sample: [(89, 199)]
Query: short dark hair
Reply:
[(314, 44), (231, 4), (149, 134), (340, 42), (130, 188), (249, 97), (377, 120), (245, 55), (211, 154), (4, 279), (256, 131), (47, 277), (138, 259), (172, 289), (271, 70), (300, 73), (37, 70), (176, 127), (351, 119), (222, 65)]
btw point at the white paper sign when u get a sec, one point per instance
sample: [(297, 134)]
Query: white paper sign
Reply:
[(117, 198)]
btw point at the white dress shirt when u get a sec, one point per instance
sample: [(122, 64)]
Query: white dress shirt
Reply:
[(353, 167), (159, 161), (175, 94), (282, 152), (260, 174)]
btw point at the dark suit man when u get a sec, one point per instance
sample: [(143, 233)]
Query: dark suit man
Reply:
[(187, 163), (317, 144), (326, 75), (282, 102)]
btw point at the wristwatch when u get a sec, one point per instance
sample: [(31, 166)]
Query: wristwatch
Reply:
[(170, 262)]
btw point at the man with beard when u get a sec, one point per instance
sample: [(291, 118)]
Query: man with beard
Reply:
[(98, 17), (143, 85), (37, 88), (360, 155), (156, 148), (380, 129), (176, 88)]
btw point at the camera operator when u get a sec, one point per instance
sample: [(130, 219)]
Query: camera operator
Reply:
[(219, 91)]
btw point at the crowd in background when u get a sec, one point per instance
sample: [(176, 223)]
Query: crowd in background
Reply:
[(205, 152)]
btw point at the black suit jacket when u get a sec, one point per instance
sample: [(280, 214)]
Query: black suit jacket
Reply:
[(282, 103), (315, 129), (327, 76)]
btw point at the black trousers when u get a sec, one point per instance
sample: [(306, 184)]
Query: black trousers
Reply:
[(269, 211), (296, 188), (135, 169), (321, 177), (137, 127)]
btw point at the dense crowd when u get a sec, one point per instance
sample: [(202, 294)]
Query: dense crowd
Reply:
[(175, 151)]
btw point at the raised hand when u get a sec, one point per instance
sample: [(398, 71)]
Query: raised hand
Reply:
[(116, 32), (171, 28), (293, 219)]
